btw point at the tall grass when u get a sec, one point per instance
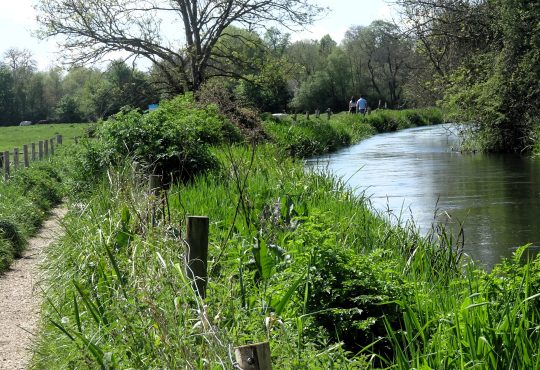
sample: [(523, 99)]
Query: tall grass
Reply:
[(24, 202), (308, 137), (296, 259)]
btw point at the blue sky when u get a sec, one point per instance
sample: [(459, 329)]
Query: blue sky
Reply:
[(18, 20)]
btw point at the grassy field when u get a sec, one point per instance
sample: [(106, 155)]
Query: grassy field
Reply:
[(17, 136)]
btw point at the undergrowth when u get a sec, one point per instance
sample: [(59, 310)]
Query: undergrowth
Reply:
[(24, 202)]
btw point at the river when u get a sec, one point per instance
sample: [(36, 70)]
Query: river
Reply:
[(415, 174)]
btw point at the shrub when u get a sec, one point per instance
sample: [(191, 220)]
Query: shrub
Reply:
[(172, 140), (351, 298)]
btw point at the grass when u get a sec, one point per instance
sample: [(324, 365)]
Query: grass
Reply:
[(25, 200), (304, 138), (295, 259), (16, 136)]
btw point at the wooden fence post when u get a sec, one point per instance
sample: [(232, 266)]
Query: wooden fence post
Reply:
[(254, 356), (15, 159), (33, 152), (51, 141), (46, 148), (40, 154), (58, 139), (6, 165), (197, 239), (25, 156)]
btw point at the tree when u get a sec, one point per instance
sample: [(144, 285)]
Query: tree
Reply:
[(91, 29), (6, 95), (22, 67), (379, 54)]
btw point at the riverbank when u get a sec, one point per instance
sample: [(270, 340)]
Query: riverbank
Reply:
[(295, 259)]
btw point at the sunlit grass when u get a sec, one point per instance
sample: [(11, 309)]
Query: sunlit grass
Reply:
[(16, 136)]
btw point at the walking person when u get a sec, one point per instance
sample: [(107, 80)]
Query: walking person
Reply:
[(352, 105), (361, 105)]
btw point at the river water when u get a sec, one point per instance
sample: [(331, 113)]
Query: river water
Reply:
[(415, 174)]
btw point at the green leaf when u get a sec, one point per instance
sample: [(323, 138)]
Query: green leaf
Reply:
[(287, 296)]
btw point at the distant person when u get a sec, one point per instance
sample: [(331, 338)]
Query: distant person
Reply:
[(352, 105), (361, 105)]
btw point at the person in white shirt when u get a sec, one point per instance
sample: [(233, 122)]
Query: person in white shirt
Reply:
[(352, 105)]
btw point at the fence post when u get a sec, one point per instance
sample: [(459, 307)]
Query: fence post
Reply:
[(46, 148), (6, 165), (254, 356), (51, 141), (58, 139), (40, 155), (33, 152), (25, 156), (15, 159), (197, 239)]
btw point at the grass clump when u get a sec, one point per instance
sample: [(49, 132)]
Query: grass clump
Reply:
[(24, 202)]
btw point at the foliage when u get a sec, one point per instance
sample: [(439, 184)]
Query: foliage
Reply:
[(132, 27), (24, 201), (391, 120), (308, 137), (485, 55), (172, 140), (305, 138), (294, 258)]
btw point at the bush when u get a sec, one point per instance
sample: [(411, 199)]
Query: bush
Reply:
[(172, 140), (351, 298), (10, 234), (40, 184)]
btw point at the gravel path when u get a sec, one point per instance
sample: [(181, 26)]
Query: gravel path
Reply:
[(20, 297)]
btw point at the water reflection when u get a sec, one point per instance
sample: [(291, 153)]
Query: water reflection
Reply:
[(415, 173)]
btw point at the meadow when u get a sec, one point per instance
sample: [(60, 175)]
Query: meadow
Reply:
[(16, 136)]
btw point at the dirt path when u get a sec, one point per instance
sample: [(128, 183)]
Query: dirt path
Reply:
[(20, 297)]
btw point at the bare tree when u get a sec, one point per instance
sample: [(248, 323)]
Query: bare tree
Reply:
[(88, 30)]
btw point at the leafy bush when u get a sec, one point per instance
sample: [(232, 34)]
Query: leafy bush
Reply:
[(172, 140), (352, 298)]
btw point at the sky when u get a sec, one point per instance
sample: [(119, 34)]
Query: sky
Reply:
[(18, 23)]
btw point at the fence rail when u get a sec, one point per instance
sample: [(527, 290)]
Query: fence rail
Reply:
[(11, 160)]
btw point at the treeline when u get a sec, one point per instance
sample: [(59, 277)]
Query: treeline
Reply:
[(270, 73), (478, 58), (79, 95)]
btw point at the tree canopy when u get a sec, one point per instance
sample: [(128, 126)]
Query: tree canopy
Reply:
[(91, 29)]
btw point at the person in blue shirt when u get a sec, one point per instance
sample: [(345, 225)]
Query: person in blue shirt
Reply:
[(361, 105)]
